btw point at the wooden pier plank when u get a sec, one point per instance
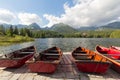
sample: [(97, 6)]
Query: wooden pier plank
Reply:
[(5, 75), (18, 72), (29, 76), (22, 76)]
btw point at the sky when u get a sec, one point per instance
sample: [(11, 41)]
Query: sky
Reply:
[(75, 13)]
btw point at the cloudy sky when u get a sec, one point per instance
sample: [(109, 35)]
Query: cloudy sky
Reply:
[(48, 12)]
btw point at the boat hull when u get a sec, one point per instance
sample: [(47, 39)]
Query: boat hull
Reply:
[(92, 67), (14, 63), (42, 67), (116, 68)]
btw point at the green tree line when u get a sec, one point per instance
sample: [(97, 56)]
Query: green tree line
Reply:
[(11, 31)]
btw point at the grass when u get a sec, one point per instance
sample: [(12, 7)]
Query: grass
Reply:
[(5, 40)]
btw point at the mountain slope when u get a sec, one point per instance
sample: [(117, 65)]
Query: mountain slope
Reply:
[(62, 28), (34, 26), (113, 25)]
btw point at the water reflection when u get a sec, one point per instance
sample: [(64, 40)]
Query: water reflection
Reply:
[(11, 48), (66, 44)]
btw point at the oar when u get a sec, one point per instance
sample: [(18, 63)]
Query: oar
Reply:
[(111, 60), (111, 54)]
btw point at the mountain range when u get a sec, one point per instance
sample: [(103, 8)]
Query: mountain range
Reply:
[(33, 26), (113, 25), (64, 28)]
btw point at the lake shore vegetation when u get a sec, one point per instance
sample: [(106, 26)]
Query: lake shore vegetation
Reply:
[(14, 35), (17, 35)]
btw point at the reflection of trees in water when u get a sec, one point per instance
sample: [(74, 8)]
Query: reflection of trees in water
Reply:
[(11, 48), (66, 44)]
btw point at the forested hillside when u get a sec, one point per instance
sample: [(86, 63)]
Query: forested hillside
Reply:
[(57, 30)]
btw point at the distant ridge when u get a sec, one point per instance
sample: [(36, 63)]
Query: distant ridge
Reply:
[(62, 28), (34, 26), (113, 25)]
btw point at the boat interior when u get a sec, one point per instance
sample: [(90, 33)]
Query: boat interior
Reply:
[(85, 55), (49, 55)]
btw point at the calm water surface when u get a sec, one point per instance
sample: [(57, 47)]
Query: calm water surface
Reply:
[(66, 44)]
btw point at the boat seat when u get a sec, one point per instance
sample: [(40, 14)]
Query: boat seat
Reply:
[(80, 52), (50, 54), (84, 61), (26, 52), (82, 58), (83, 54), (52, 57)]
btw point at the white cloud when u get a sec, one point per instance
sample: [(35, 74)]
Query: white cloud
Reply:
[(29, 18), (6, 16), (80, 1), (9, 17), (53, 21), (87, 13)]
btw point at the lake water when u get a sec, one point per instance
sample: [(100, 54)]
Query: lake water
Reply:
[(66, 44)]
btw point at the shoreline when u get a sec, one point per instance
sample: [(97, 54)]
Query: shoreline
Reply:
[(5, 40)]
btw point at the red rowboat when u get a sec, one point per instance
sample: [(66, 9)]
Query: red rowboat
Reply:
[(89, 61), (46, 61), (17, 58), (115, 47), (113, 53)]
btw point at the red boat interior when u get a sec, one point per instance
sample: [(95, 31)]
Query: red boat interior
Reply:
[(109, 52), (50, 54), (103, 50)]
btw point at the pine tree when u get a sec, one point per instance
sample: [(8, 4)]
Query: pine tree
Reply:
[(2, 29), (11, 30), (16, 30), (23, 32)]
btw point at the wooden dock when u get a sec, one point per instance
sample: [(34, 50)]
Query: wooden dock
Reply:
[(65, 71)]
